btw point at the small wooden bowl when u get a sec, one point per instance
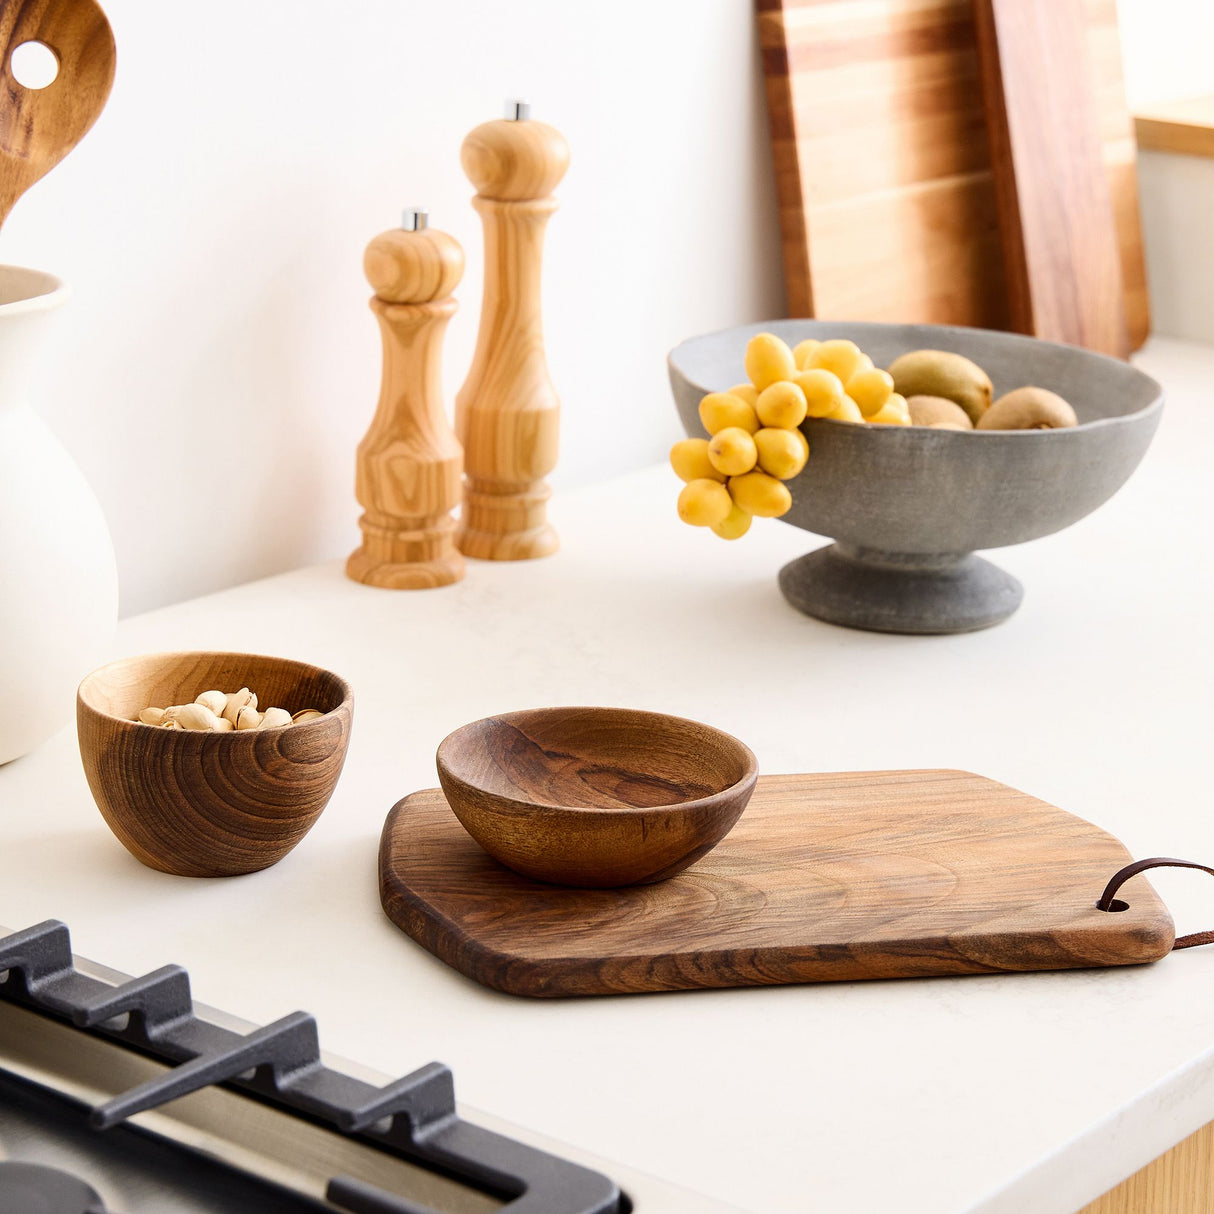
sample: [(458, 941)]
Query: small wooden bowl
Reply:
[(201, 804), (595, 797)]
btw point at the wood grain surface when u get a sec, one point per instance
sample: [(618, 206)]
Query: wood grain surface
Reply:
[(1180, 1181), (883, 164), (38, 127), (409, 463), (508, 412), (595, 797), (1060, 252), (825, 877), (200, 804), (1185, 127)]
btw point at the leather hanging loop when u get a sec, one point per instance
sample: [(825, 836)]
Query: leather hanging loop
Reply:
[(1105, 901)]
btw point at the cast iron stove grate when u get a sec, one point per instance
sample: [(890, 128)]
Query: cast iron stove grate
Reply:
[(154, 1020)]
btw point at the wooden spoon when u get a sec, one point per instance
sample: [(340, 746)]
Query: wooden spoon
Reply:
[(38, 127)]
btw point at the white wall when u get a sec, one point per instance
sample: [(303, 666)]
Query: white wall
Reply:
[(219, 363), (1167, 49), (1177, 197)]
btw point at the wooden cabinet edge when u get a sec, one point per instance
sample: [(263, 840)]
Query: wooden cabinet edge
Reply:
[(1188, 136), (1180, 1181)]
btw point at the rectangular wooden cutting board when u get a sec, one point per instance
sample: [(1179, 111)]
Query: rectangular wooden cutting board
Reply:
[(826, 877), (1061, 262), (883, 164)]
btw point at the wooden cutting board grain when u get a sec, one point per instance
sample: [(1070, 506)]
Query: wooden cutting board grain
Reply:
[(883, 164), (826, 877), (1061, 259)]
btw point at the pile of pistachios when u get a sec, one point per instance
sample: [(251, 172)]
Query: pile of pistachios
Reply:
[(222, 712)]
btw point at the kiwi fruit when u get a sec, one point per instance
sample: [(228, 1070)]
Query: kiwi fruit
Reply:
[(942, 373), (938, 411), (1029, 409)]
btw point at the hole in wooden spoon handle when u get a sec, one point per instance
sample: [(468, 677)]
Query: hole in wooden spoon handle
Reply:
[(1107, 901), (34, 65)]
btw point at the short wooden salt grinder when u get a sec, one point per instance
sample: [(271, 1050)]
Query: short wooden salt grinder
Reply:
[(409, 464), (507, 414)]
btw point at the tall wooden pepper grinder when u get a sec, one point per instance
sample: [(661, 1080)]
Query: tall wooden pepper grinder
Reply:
[(409, 463), (507, 413)]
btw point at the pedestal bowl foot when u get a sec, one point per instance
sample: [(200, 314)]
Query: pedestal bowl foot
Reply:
[(896, 592)]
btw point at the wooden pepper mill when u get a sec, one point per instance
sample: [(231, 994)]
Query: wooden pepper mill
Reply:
[(507, 414), (409, 462)]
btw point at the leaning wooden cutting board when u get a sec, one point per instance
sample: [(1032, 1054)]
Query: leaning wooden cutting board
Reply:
[(825, 878), (1061, 260), (883, 165)]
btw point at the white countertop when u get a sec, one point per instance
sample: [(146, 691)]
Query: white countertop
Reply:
[(991, 1094)]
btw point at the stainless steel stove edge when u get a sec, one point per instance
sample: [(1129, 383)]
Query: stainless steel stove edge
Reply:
[(191, 1121)]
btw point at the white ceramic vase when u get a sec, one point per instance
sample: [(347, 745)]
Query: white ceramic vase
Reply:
[(58, 580)]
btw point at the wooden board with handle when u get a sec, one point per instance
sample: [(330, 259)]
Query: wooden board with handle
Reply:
[(826, 877), (883, 163)]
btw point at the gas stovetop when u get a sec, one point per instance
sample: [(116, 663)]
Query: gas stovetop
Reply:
[(123, 1096)]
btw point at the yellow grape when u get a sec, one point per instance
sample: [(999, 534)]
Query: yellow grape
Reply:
[(721, 409), (782, 453), (894, 412), (846, 411), (734, 525), (760, 495), (704, 503), (870, 389), (802, 350), (732, 451), (842, 357), (783, 404), (887, 417), (823, 391), (689, 459), (768, 360), (748, 392)]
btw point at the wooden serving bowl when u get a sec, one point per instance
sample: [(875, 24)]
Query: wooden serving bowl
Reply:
[(595, 797), (201, 804)]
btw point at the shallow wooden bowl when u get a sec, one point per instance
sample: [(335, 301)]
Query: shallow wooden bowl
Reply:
[(201, 804), (595, 797)]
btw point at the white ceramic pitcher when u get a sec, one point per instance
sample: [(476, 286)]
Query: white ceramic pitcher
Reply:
[(58, 580)]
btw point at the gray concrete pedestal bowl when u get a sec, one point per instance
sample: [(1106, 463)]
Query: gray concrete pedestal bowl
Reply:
[(909, 506)]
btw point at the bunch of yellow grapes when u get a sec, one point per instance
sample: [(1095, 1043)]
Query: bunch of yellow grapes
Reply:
[(756, 444)]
